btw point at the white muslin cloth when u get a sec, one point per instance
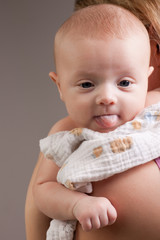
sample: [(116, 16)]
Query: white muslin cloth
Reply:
[(85, 156)]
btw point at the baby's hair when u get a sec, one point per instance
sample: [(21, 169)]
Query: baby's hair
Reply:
[(148, 11), (95, 21)]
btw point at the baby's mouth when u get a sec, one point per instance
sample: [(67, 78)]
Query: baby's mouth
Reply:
[(107, 121)]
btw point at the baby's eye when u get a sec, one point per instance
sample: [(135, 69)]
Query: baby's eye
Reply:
[(86, 85), (124, 83)]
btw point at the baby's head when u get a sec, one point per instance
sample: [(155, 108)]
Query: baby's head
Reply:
[(102, 56), (101, 22)]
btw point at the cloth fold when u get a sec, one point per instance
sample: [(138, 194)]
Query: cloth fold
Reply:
[(85, 156)]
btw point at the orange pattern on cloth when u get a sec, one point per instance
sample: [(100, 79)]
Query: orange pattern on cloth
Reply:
[(121, 145)]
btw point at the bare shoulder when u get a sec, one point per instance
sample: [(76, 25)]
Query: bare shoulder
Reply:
[(153, 97), (135, 194), (65, 124)]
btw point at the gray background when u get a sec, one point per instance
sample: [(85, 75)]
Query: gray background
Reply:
[(29, 102)]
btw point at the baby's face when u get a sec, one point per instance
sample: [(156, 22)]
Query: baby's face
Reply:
[(103, 82)]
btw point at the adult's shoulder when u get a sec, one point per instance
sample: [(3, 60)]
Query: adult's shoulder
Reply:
[(65, 124), (153, 97)]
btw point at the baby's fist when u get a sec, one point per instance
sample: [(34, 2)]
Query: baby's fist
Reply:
[(94, 212)]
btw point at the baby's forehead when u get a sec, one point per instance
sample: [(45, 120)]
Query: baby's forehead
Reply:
[(106, 51), (137, 39)]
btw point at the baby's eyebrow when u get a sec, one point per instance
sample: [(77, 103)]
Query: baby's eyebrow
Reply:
[(87, 73)]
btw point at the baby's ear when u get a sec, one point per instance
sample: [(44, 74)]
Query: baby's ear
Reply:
[(54, 78), (150, 70)]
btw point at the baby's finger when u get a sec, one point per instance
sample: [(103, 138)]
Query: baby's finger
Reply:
[(96, 223), (104, 221), (87, 225), (112, 215)]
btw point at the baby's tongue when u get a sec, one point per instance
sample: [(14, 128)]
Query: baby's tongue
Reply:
[(108, 120)]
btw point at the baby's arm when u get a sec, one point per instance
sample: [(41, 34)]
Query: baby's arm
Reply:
[(153, 97), (36, 222), (57, 202)]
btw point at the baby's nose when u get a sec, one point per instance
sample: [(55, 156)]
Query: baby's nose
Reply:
[(106, 97)]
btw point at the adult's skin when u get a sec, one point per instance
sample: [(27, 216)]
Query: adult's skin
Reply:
[(135, 194), (136, 197)]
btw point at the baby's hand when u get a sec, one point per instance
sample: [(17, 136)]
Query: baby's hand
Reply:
[(94, 212)]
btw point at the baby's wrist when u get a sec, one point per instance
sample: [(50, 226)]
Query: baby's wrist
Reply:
[(76, 203)]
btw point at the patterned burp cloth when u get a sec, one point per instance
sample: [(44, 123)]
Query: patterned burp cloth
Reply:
[(85, 156)]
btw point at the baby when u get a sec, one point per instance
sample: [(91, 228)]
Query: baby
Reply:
[(102, 56)]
